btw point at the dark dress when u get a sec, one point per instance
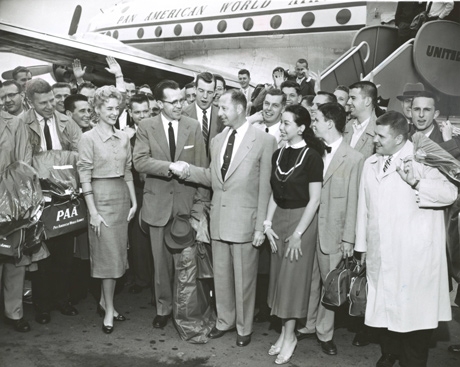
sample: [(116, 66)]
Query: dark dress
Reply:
[(290, 282)]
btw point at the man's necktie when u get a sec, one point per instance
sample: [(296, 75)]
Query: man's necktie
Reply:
[(205, 129), (266, 130), (387, 163), (228, 154), (172, 142), (46, 131)]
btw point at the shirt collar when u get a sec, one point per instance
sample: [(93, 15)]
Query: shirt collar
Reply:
[(116, 133), (165, 120), (40, 118), (361, 126), (335, 145), (241, 131), (297, 145)]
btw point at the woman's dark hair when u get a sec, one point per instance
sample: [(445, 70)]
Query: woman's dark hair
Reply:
[(302, 117)]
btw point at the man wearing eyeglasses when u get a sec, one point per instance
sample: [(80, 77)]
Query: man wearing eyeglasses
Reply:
[(160, 141), (13, 98), (203, 110)]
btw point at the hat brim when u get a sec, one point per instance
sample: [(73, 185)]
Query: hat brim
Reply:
[(402, 98), (173, 244)]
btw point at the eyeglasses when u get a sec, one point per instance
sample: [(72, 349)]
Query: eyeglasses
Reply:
[(177, 102), (9, 95), (149, 95)]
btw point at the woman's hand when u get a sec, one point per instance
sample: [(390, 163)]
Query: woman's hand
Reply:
[(95, 222), (294, 249), (132, 212), (271, 235)]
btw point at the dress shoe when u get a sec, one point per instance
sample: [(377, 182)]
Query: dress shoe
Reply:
[(300, 336), (100, 310), (20, 325), (274, 350), (328, 347), (361, 339), (454, 348), (43, 317), (216, 333), (68, 310), (135, 289), (242, 341), (387, 360), (160, 321), (107, 329)]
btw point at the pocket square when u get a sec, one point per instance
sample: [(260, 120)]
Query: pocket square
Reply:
[(188, 146)]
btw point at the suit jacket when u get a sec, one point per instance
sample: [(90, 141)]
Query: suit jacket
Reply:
[(215, 126), (306, 88), (165, 195), (69, 133), (239, 204), (365, 144), (339, 199)]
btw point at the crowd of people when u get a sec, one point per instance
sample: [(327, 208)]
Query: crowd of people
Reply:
[(296, 179)]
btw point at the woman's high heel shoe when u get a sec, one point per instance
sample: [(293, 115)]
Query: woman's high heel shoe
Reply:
[(107, 329), (100, 310)]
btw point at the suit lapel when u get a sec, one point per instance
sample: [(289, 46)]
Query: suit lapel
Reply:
[(160, 136), (336, 161), (217, 149), (182, 135), (244, 148)]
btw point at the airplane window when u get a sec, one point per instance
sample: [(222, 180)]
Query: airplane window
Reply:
[(158, 31), (275, 22), (222, 26), (248, 24), (308, 19), (109, 33), (343, 16), (178, 30), (140, 33), (115, 34), (198, 28)]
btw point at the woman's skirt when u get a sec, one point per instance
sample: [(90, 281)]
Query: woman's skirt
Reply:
[(109, 251)]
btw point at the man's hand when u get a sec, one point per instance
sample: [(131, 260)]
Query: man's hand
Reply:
[(407, 171), (78, 72), (347, 249), (363, 258), (259, 238), (317, 78), (258, 117), (114, 67), (130, 131), (446, 129), (278, 79), (180, 169)]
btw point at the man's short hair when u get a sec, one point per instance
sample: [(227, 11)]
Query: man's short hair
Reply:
[(244, 71), (308, 100), (129, 81), (60, 85), (138, 98), (426, 94), (331, 98), (69, 102), (368, 89), (19, 69), (342, 88), (221, 78), (207, 77), (277, 92), (396, 121), (37, 86), (302, 61), (161, 86), (9, 82), (238, 98), (279, 68), (335, 112), (189, 85), (87, 85), (291, 84)]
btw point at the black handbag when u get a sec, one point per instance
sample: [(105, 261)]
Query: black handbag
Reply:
[(337, 284), (420, 19), (358, 293)]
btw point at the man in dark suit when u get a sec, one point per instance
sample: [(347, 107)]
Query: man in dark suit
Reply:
[(239, 175), (161, 140), (424, 114), (203, 110), (301, 77)]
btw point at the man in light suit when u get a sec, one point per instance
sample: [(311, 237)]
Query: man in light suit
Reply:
[(359, 131), (160, 141), (339, 199), (239, 175), (203, 110)]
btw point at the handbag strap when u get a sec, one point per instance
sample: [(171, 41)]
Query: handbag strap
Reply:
[(428, 7)]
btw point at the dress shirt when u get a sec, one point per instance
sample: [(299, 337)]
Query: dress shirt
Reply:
[(428, 133), (299, 81), (175, 125), (104, 156), (122, 119), (240, 133), (327, 158), (358, 130), (440, 9), (54, 135), (273, 130), (199, 116), (246, 93)]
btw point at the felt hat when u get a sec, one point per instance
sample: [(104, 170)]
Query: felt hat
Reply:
[(411, 90), (179, 233)]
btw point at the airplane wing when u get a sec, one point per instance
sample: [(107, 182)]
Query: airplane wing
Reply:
[(92, 49)]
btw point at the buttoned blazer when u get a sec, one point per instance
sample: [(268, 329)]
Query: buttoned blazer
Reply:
[(239, 203), (216, 125), (164, 194), (339, 199), (69, 133), (365, 144)]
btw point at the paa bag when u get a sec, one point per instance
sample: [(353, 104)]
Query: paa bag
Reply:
[(204, 261), (337, 285), (358, 293), (420, 19), (10, 245), (63, 217)]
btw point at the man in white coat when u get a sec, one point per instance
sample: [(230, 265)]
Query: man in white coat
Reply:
[(401, 234)]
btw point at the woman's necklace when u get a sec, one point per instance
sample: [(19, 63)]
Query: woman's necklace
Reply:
[(298, 162)]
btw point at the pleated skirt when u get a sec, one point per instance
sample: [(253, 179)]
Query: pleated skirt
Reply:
[(109, 251), (290, 282)]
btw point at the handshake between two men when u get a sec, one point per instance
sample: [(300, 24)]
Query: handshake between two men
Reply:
[(180, 169)]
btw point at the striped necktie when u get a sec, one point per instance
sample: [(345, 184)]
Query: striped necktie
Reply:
[(204, 128), (387, 163)]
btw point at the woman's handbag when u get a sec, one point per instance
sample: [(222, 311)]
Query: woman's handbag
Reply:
[(358, 293), (337, 284)]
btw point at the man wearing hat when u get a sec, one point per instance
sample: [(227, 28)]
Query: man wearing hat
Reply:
[(410, 90)]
